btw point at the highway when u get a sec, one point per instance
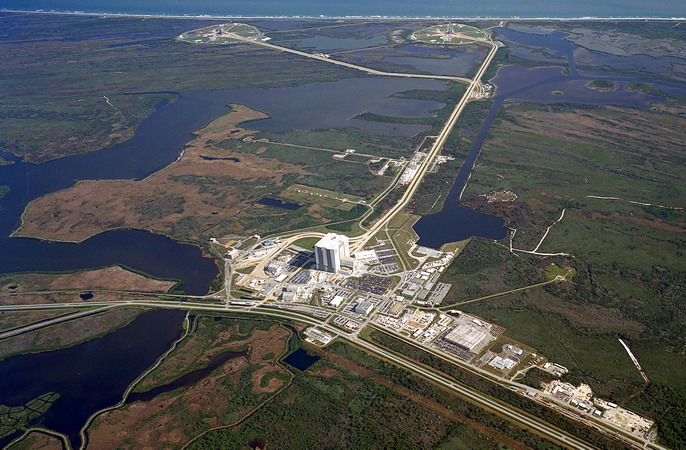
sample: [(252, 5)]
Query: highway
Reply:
[(46, 323), (472, 395), (475, 87)]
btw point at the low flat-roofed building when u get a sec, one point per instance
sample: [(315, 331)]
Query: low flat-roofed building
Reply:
[(468, 336), (336, 301), (501, 363), (365, 255), (350, 264), (364, 308)]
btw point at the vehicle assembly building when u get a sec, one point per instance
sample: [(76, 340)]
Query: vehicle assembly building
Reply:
[(330, 250)]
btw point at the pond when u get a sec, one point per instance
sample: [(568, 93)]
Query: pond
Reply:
[(300, 359), (276, 203), (188, 379)]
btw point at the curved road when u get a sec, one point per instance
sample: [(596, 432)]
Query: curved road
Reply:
[(346, 64), (474, 84), (511, 413)]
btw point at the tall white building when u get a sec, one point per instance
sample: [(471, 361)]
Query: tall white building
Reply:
[(329, 251)]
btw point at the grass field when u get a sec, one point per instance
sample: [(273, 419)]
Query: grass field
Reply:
[(306, 243), (322, 197), (630, 270)]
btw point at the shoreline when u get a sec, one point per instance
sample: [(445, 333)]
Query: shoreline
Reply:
[(352, 17)]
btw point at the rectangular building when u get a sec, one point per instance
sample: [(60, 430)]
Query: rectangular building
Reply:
[(364, 308), (329, 251), (468, 336)]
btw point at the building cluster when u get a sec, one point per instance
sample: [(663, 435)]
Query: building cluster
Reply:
[(421, 285), (351, 291), (554, 369), (332, 253), (505, 360), (412, 168), (581, 398)]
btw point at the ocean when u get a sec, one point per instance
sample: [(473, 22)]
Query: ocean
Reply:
[(366, 8)]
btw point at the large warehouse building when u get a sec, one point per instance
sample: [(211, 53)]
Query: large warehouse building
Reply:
[(329, 251), (469, 336)]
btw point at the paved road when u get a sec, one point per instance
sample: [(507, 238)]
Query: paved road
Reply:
[(474, 84), (503, 409), (345, 64), (49, 322), (472, 395)]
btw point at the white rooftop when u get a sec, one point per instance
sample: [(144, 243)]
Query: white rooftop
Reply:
[(332, 241), (467, 335)]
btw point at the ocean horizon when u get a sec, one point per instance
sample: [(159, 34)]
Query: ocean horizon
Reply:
[(499, 9)]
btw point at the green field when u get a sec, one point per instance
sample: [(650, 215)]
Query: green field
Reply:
[(322, 197), (15, 418), (630, 271)]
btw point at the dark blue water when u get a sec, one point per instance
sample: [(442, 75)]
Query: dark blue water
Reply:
[(327, 105), (459, 65), (210, 158), (276, 203), (392, 8), (428, 50), (156, 144), (186, 380), (300, 359), (326, 43), (89, 376), (455, 222), (538, 85), (283, 24)]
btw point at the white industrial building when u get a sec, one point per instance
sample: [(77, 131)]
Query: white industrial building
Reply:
[(330, 250), (468, 336), (364, 308), (336, 301)]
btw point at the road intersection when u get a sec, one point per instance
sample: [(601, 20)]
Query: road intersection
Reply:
[(224, 302)]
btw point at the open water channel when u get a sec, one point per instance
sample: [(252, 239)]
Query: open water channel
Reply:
[(94, 374), (550, 84)]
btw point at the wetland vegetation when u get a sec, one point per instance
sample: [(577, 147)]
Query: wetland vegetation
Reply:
[(618, 172), (627, 248)]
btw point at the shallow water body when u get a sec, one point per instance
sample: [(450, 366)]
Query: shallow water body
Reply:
[(162, 135), (88, 376), (551, 84)]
